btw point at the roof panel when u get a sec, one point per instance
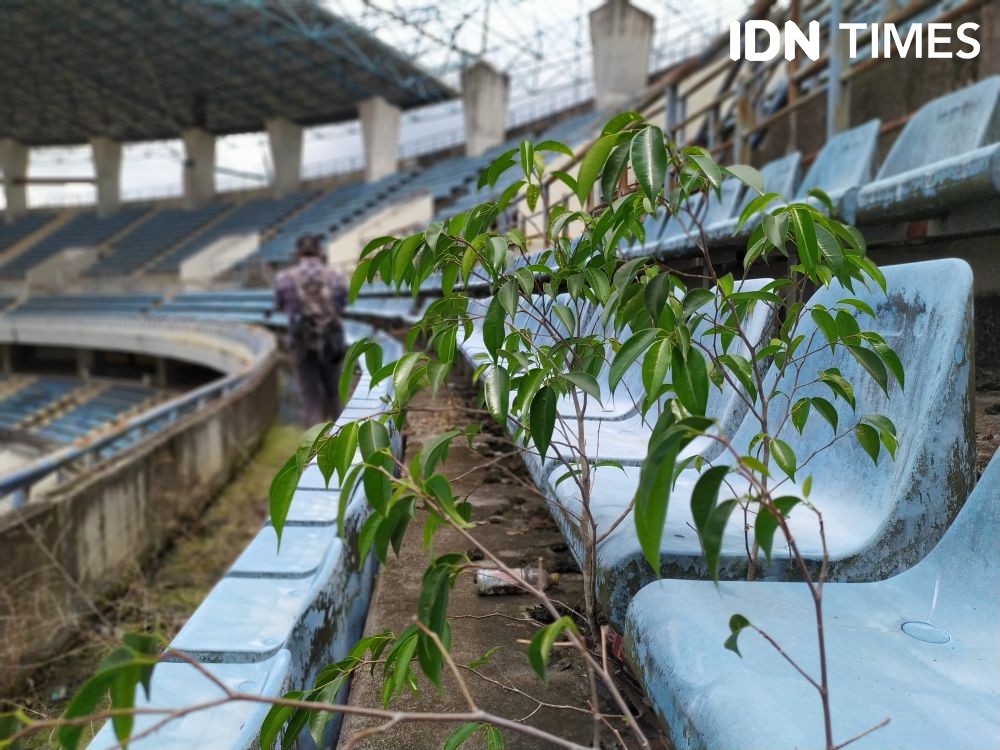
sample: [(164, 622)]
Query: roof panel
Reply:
[(70, 69)]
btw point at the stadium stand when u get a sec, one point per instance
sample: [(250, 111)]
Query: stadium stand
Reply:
[(158, 233), (948, 154), (13, 233), (879, 518), (243, 305), (254, 215), (96, 412), (34, 400), (86, 303), (85, 229), (277, 616), (331, 211)]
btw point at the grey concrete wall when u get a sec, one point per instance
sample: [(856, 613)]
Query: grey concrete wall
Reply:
[(64, 550)]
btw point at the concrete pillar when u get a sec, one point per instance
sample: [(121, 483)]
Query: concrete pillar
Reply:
[(107, 156), (621, 36), (199, 167), (161, 377), (380, 133), (84, 363), (484, 106), (14, 163), (285, 138)]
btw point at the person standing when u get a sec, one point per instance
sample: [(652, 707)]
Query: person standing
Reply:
[(314, 295)]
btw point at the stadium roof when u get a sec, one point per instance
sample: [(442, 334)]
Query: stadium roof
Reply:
[(72, 69)]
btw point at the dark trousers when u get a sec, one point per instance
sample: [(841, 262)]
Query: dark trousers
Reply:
[(319, 382)]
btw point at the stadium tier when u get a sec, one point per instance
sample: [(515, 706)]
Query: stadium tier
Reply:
[(905, 541), (160, 232), (84, 229), (255, 215)]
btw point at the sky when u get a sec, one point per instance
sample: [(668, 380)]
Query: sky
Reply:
[(543, 44)]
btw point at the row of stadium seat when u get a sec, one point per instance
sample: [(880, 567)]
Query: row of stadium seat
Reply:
[(35, 398), (276, 617), (85, 229), (947, 156), (99, 411), (880, 520), (63, 409), (255, 215)]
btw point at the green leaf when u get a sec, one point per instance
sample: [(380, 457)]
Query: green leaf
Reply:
[(585, 382), (827, 410), (867, 438), (542, 642), (593, 164), (542, 418), (527, 152), (766, 523), (494, 740), (531, 196), (891, 361), (620, 121), (872, 364), (649, 160), (482, 661), (711, 170), (556, 146), (460, 735), (736, 625), (784, 456), (690, 380), (696, 299), (498, 392), (838, 384), (805, 239), (652, 496), (493, 326), (710, 519), (655, 365), (566, 317), (825, 322), (402, 260), (612, 170), (280, 494), (775, 229), (628, 353), (748, 176)]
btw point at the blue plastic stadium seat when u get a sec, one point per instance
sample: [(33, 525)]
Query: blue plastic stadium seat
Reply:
[(625, 440), (842, 167), (302, 606), (948, 155), (85, 229), (234, 725), (920, 648), (879, 519), (154, 235)]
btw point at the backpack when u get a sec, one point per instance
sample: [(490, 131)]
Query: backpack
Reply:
[(316, 328)]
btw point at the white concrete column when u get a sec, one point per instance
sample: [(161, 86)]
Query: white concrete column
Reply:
[(199, 167), (621, 36), (484, 106), (14, 162), (107, 156), (285, 138), (380, 133)]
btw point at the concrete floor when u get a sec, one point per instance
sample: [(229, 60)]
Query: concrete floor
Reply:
[(513, 522)]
